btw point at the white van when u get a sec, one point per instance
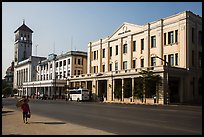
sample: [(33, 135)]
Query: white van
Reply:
[(79, 94)]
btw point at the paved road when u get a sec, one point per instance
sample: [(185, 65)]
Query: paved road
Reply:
[(122, 119)]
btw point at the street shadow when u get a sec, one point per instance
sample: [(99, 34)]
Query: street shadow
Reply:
[(5, 113), (40, 122)]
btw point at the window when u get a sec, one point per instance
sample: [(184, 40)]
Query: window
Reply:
[(124, 64), (164, 38), (103, 67), (134, 46), (165, 60), (50, 65), (64, 75), (94, 69), (79, 61), (95, 55), (153, 41), (171, 59), (192, 57), (60, 63), (56, 64), (200, 59), (64, 63), (74, 72), (176, 59), (116, 66), (142, 44), (153, 61), (116, 50), (125, 48), (78, 72), (170, 37), (110, 67), (68, 73), (142, 63), (68, 61), (134, 63), (176, 36), (104, 53), (75, 60), (110, 51), (192, 35), (200, 38)]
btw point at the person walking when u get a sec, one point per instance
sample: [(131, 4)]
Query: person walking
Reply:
[(26, 111)]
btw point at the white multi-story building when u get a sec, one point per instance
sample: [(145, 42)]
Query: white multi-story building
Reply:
[(24, 62), (115, 63), (54, 72)]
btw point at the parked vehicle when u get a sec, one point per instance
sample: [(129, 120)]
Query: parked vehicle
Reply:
[(43, 96), (79, 95)]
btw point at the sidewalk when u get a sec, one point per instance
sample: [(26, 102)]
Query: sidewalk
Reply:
[(12, 124)]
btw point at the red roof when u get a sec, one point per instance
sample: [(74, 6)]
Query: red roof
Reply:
[(24, 28)]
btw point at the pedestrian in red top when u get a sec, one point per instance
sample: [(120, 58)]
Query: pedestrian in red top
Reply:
[(26, 109)]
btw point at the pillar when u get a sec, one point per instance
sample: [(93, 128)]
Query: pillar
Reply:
[(123, 89), (133, 86)]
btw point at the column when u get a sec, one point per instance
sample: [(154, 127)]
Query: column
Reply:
[(86, 84), (109, 89), (122, 89), (95, 90), (133, 86), (130, 52)]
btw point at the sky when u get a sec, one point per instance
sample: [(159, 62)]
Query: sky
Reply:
[(59, 27)]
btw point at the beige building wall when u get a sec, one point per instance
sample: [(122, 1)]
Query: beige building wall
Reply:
[(182, 50)]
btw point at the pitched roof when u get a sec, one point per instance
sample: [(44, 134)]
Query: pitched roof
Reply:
[(24, 28)]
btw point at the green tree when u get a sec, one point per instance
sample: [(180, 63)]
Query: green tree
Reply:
[(7, 91), (118, 92), (147, 84)]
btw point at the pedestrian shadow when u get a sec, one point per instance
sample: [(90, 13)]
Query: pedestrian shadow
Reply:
[(40, 122)]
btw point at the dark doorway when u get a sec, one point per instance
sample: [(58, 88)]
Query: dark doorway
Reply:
[(174, 90), (118, 89), (89, 87), (127, 88), (102, 89)]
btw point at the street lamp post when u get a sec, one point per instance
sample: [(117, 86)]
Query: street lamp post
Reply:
[(167, 78), (112, 85)]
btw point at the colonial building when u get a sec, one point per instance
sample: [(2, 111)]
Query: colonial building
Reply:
[(9, 75), (53, 72), (170, 48), (24, 62)]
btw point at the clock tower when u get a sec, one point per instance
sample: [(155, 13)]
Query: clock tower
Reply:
[(23, 43)]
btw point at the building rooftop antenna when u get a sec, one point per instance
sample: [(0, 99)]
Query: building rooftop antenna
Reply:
[(23, 21), (36, 48), (54, 48), (71, 42)]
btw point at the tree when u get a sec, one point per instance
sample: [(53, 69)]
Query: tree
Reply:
[(7, 91), (147, 84), (138, 91)]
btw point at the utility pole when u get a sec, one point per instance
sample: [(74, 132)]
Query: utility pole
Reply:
[(167, 78), (36, 49)]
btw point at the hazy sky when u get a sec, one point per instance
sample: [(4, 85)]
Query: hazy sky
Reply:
[(61, 26)]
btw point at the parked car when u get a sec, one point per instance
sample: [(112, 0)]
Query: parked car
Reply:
[(43, 96)]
